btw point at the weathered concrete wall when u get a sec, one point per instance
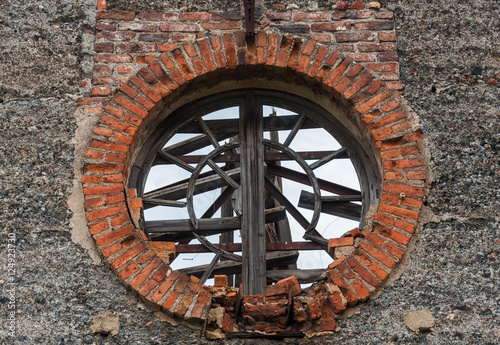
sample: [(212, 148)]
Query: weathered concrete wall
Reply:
[(449, 53)]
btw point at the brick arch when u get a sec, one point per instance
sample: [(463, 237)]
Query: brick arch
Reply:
[(113, 211)]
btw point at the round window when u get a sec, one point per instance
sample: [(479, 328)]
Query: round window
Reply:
[(255, 185)]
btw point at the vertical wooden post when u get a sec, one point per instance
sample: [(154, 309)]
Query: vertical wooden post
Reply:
[(253, 232)]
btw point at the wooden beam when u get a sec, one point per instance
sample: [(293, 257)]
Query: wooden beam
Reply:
[(330, 205), (303, 276), (204, 184), (231, 267), (302, 178), (268, 157), (236, 247), (253, 234)]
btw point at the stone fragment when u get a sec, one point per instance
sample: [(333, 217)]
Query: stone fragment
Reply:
[(419, 320), (292, 7), (374, 5), (107, 324)]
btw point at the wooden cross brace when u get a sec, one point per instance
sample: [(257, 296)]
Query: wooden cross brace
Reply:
[(249, 7)]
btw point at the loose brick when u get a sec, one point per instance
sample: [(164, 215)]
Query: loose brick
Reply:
[(336, 302), (337, 279)]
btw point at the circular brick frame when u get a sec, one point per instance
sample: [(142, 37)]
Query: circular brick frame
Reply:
[(113, 211)]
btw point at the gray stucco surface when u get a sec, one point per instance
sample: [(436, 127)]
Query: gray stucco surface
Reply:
[(448, 51)]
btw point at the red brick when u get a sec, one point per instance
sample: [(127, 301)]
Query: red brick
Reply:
[(330, 27), (374, 87), (131, 106), (91, 179), (380, 217), (206, 54), (408, 190), (113, 58), (170, 301), (357, 85), (145, 89), (203, 299), (165, 285), (183, 305), (220, 280), (416, 175), (95, 202), (129, 270), (103, 168), (103, 131), (278, 16), (336, 262), (394, 251), (292, 284), (182, 282), (148, 287), (336, 302), (310, 16), (337, 279), (97, 228), (393, 235), (114, 235), (116, 15), (178, 27), (145, 272), (158, 16), (115, 188), (128, 255), (191, 17), (314, 310), (147, 256), (115, 199), (363, 272), (370, 103), (227, 323), (373, 238), (337, 72), (377, 254), (345, 271), (361, 290), (380, 273), (93, 154)]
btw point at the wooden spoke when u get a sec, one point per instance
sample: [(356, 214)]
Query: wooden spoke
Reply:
[(303, 276), (161, 202), (208, 132), (210, 268), (177, 161), (324, 160), (223, 174), (180, 229), (302, 178), (192, 144), (202, 185), (268, 157), (223, 197), (231, 267), (275, 192), (236, 247), (211, 247), (295, 130), (330, 205)]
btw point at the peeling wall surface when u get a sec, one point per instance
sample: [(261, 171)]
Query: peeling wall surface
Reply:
[(53, 283)]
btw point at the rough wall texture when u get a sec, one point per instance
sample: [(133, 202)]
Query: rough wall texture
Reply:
[(449, 63)]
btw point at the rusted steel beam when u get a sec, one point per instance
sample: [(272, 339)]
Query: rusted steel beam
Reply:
[(249, 6)]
